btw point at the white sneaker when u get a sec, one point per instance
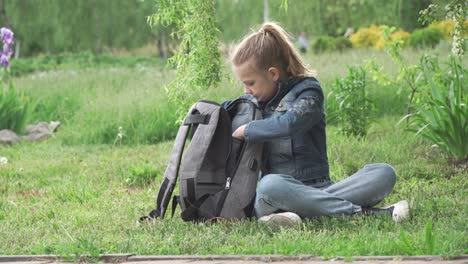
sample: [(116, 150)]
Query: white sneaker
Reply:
[(400, 211), (286, 219)]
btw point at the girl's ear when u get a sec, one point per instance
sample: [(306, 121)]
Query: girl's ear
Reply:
[(274, 73)]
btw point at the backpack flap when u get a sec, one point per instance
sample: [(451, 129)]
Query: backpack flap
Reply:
[(202, 175)]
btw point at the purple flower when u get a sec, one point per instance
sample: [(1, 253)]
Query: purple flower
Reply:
[(6, 36), (7, 50), (4, 60)]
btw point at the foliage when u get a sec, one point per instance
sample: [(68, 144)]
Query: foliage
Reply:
[(80, 60), (409, 73), (322, 44), (330, 17), (400, 35), (15, 109), (373, 37), (342, 43), (366, 37), (354, 105), (442, 116), (93, 101), (14, 106), (426, 37), (455, 10), (438, 96), (445, 26), (198, 61), (56, 26), (326, 43)]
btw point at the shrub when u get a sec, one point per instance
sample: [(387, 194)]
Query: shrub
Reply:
[(442, 116), (14, 106), (327, 43), (366, 37), (397, 35), (342, 43), (322, 44), (15, 109), (354, 106), (426, 37), (446, 27)]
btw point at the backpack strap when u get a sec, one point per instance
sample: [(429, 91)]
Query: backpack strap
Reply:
[(175, 202), (170, 175)]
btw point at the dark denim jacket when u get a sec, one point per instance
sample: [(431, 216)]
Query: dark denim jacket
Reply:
[(293, 131)]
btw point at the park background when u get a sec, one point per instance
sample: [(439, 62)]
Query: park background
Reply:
[(100, 69)]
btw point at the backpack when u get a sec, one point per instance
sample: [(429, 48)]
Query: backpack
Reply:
[(218, 173)]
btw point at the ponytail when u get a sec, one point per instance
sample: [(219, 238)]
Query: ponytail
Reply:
[(270, 46)]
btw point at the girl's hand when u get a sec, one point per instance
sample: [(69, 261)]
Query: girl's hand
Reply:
[(239, 133)]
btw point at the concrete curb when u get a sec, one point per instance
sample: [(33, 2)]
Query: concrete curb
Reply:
[(122, 258)]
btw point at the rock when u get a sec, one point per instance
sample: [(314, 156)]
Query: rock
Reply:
[(8, 137), (54, 125), (41, 127), (37, 132)]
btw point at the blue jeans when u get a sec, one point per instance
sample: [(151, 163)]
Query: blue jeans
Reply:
[(365, 188)]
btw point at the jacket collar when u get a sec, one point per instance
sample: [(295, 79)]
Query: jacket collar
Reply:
[(284, 86)]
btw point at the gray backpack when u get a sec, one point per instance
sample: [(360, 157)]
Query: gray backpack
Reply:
[(218, 173)]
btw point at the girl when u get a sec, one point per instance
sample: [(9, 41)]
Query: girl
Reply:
[(295, 179)]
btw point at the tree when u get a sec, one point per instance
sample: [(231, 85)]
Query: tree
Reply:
[(198, 60)]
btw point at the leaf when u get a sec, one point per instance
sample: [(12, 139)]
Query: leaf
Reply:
[(430, 238)]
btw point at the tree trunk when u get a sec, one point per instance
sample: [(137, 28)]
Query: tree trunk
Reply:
[(266, 17), (3, 16), (97, 28), (17, 49)]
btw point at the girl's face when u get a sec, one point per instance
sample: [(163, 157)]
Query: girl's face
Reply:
[(261, 84)]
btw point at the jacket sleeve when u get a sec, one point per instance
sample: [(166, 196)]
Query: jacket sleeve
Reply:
[(304, 113)]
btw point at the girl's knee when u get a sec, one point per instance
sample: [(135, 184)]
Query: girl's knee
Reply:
[(270, 185), (387, 174)]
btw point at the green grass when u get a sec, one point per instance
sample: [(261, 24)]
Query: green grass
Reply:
[(92, 103), (60, 199), (73, 195), (81, 60)]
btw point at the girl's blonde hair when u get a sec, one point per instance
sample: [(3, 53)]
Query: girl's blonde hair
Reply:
[(271, 46)]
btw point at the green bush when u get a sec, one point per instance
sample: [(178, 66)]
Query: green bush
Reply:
[(354, 106), (342, 43), (15, 109), (327, 43), (442, 116), (322, 44), (426, 37)]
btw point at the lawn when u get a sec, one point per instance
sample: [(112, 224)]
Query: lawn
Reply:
[(82, 191)]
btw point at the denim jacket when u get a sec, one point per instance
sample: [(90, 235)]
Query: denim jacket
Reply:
[(293, 131)]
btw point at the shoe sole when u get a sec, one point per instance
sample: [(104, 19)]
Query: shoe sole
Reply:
[(278, 220)]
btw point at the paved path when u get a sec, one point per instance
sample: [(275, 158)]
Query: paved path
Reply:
[(259, 259), (261, 262)]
